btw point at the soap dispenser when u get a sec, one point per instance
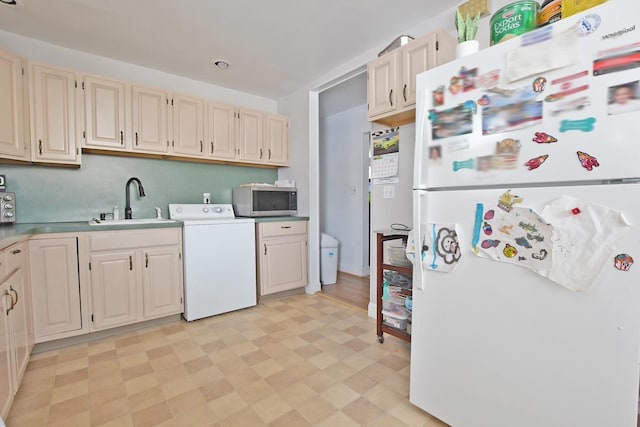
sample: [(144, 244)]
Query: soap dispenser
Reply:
[(116, 213)]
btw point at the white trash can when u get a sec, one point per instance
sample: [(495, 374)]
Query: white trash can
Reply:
[(328, 259)]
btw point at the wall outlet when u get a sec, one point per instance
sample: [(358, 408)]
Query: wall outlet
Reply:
[(388, 192)]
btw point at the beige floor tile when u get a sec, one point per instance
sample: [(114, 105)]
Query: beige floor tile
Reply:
[(271, 408), (339, 395), (362, 411), (297, 393), (338, 419), (290, 419), (244, 418), (145, 399), (27, 418), (198, 415), (256, 391), (228, 405), (185, 401), (68, 409), (138, 384), (152, 416), (81, 419), (216, 388), (109, 412), (316, 410), (70, 391), (384, 398), (107, 394), (177, 386), (409, 414)]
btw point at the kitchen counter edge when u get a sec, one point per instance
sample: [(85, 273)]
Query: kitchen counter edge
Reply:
[(280, 218)]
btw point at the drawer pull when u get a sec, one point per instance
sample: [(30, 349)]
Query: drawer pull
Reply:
[(285, 226), (40, 147), (146, 260), (15, 292), (130, 263), (16, 251), (265, 248), (121, 138)]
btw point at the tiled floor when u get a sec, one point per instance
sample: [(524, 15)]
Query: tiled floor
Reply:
[(353, 290), (298, 361)]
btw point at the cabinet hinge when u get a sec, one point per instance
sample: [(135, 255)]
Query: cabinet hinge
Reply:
[(437, 45), (180, 300), (89, 266), (82, 85), (179, 255), (92, 317), (171, 101), (23, 71), (84, 134), (76, 84), (77, 151), (167, 101)]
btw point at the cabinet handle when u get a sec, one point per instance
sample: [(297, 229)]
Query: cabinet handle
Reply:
[(15, 292), (136, 138), (16, 251), (146, 260), (269, 153), (211, 147), (285, 226), (404, 92), (390, 95), (201, 146), (7, 294), (40, 146), (130, 263), (261, 153), (265, 248), (121, 138)]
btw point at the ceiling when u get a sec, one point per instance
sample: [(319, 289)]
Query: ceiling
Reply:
[(274, 46)]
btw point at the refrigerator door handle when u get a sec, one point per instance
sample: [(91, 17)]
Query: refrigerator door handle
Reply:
[(419, 196)]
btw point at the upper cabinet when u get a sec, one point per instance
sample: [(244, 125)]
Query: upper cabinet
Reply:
[(12, 139), (392, 77), (221, 131), (56, 114), (276, 139), (188, 125), (108, 113), (150, 122), (250, 135)]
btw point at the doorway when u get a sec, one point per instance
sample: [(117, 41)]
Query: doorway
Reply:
[(344, 159)]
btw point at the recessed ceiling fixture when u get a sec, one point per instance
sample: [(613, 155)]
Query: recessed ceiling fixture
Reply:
[(221, 64), (9, 2)]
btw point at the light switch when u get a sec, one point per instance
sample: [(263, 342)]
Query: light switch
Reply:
[(388, 192)]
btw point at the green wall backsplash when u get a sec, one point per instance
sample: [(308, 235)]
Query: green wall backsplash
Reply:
[(52, 194)]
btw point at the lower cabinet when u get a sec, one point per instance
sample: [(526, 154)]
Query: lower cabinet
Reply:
[(16, 338), (282, 253), (134, 275), (55, 281)]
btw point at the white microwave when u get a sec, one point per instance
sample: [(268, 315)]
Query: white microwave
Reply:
[(261, 200)]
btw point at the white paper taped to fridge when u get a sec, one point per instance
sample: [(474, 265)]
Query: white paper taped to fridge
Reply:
[(584, 238), (439, 249)]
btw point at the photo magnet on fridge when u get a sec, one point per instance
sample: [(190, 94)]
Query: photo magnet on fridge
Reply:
[(623, 262)]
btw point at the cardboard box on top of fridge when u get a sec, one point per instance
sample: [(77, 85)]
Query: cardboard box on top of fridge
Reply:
[(571, 7), (285, 183)]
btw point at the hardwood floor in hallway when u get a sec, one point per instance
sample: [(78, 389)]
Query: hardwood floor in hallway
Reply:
[(349, 289)]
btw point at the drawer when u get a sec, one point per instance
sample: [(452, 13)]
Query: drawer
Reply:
[(133, 239), (15, 257), (283, 228)]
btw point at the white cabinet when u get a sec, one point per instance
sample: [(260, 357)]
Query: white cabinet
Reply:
[(56, 287), (55, 114), (391, 87), (12, 120), (150, 123), (134, 275), (221, 130), (249, 133), (188, 126), (276, 139), (282, 254), (16, 338), (107, 112)]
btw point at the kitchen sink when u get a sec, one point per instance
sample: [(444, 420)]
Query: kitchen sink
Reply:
[(135, 221)]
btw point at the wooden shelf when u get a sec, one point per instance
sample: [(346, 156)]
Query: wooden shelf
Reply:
[(382, 328)]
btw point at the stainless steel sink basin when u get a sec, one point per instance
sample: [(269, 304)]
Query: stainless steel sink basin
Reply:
[(135, 221)]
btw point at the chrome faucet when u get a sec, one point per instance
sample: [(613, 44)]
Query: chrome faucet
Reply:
[(127, 207)]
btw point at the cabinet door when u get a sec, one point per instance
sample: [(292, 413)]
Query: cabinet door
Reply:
[(107, 113), (6, 347), (382, 78), (56, 115), (12, 141), (150, 120), (221, 131), (19, 324), (113, 289), (55, 286), (250, 134), (188, 126), (276, 139), (417, 56), (161, 282), (283, 263)]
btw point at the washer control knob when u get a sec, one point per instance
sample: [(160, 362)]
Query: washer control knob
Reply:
[(205, 210), (179, 209), (219, 209)]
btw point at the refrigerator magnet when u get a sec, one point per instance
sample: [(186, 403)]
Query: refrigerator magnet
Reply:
[(455, 85), (471, 106), (536, 162), (438, 96), (468, 78), (484, 100), (623, 262), (584, 125), (544, 138), (489, 79), (465, 164), (587, 161), (507, 200), (588, 24), (539, 84)]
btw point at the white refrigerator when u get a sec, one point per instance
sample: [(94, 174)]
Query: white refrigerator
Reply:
[(526, 219)]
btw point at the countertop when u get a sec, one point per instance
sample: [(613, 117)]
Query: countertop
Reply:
[(12, 233), (281, 218)]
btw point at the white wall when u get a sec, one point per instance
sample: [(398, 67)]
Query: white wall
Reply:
[(342, 189), (47, 53)]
